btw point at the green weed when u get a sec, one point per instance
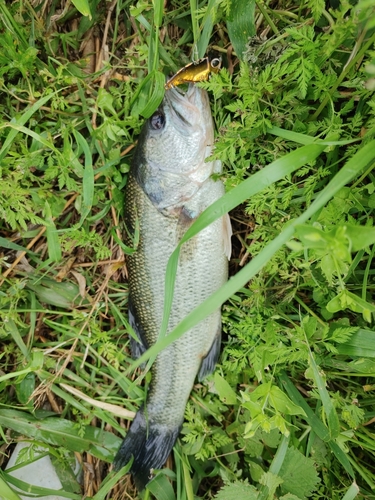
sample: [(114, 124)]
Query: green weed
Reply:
[(287, 413)]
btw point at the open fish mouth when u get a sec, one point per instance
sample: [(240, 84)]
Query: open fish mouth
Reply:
[(181, 104), (189, 107)]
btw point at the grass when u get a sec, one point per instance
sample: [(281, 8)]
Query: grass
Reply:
[(289, 411)]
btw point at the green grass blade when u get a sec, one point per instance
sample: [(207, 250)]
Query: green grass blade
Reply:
[(148, 95), (6, 491), (11, 24), (161, 488), (292, 136), (241, 25), (156, 94), (60, 294), (187, 481), (12, 328), (37, 491), (110, 481), (305, 139), (276, 464), (83, 7), (88, 177), (153, 45), (61, 432), (315, 423), (195, 27), (158, 12), (341, 457), (65, 396), (330, 411), (12, 246), (34, 135), (21, 121), (351, 493), (208, 24), (278, 459), (363, 471), (53, 242), (361, 344), (16, 374)]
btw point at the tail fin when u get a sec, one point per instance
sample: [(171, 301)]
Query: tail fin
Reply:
[(149, 444)]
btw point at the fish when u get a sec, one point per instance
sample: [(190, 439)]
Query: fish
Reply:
[(197, 71), (170, 184)]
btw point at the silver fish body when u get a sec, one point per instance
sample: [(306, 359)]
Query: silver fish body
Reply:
[(169, 185)]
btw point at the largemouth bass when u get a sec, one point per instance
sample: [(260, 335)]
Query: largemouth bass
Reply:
[(169, 185)]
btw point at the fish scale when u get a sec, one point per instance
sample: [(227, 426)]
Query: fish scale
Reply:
[(162, 220)]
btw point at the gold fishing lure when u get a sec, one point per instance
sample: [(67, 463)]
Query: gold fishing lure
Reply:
[(197, 71)]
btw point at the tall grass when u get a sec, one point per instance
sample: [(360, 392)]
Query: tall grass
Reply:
[(288, 412)]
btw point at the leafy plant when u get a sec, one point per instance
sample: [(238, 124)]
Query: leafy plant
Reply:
[(286, 414)]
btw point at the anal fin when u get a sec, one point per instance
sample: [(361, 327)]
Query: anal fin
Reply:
[(138, 346)]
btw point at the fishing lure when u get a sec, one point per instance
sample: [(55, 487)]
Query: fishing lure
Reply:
[(197, 71)]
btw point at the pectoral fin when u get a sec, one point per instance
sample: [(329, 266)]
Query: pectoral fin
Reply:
[(209, 362)]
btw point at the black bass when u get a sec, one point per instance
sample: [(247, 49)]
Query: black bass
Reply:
[(169, 185)]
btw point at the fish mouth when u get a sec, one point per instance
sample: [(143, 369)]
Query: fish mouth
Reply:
[(188, 109)]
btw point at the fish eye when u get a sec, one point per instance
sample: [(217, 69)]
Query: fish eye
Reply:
[(215, 63), (157, 121)]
